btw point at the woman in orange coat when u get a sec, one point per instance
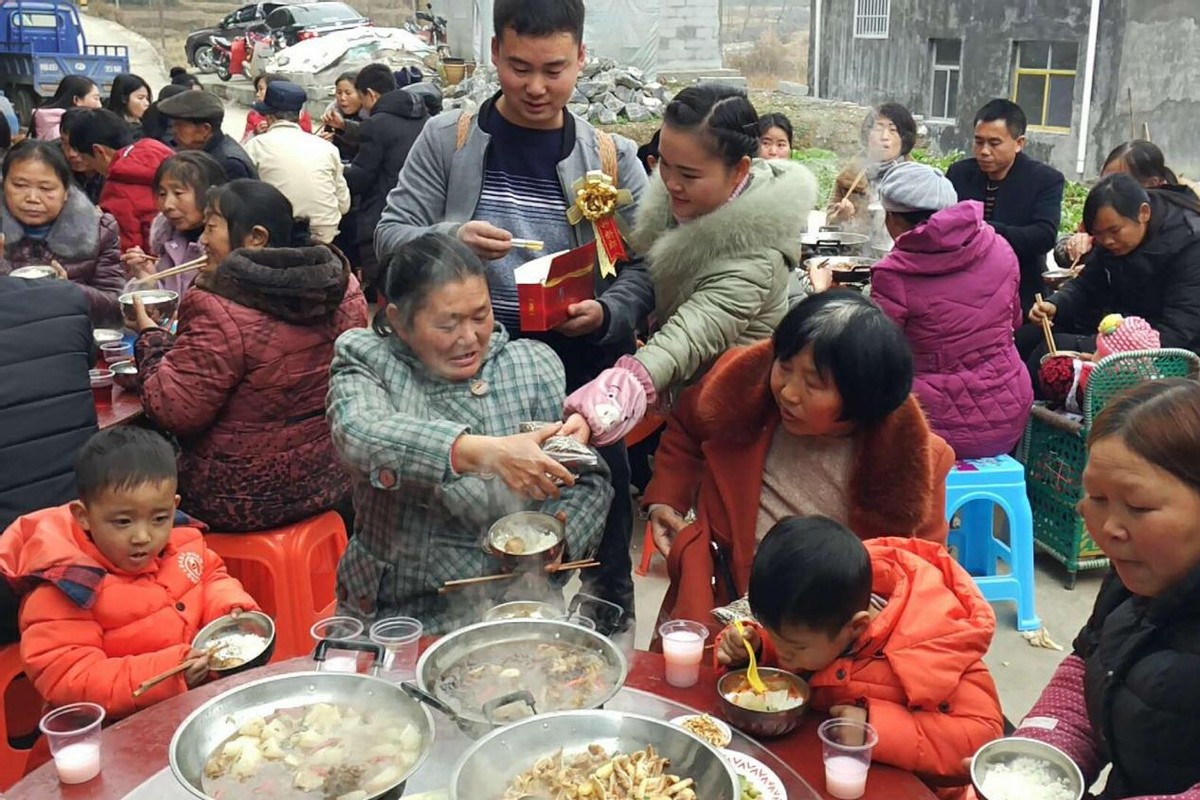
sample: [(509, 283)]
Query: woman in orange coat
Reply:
[(892, 633), (116, 593), (819, 420)]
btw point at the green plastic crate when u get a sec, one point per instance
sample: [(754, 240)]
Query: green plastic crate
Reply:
[(1054, 451)]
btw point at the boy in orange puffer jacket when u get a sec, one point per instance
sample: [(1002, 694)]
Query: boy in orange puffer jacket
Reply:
[(891, 631), (114, 593)]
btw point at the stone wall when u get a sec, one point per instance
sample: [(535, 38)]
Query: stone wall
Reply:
[(689, 35)]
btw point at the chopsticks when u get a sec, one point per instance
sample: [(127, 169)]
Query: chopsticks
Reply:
[(862, 174), (1037, 298), (536, 245), (583, 563), (450, 586), (195, 263), (157, 679)]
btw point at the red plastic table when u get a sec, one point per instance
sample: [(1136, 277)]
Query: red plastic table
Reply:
[(135, 749), (125, 407)]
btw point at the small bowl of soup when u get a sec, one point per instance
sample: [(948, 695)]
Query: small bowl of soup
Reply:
[(772, 713), (527, 539)]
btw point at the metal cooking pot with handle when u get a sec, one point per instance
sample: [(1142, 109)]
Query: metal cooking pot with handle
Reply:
[(454, 647), (210, 725), (832, 243)]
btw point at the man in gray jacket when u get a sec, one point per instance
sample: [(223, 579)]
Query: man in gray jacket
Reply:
[(507, 173)]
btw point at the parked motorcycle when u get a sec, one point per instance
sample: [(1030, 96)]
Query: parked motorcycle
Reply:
[(430, 29), (222, 57)]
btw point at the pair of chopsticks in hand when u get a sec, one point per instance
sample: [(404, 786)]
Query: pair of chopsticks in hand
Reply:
[(173, 671), (195, 263), (1046, 328), (450, 586)]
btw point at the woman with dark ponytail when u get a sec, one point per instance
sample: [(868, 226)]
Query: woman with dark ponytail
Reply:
[(718, 230), (242, 383)]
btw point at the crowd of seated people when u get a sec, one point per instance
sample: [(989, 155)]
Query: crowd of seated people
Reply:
[(350, 338)]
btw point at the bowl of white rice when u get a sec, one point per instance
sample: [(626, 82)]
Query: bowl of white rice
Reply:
[(237, 643), (1025, 769)]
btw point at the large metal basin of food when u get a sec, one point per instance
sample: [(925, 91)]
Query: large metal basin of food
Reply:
[(475, 643), (207, 728), (492, 763)]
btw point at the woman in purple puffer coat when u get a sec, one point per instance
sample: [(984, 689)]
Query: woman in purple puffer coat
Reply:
[(951, 284)]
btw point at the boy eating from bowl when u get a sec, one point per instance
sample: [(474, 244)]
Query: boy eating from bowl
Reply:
[(113, 592), (891, 631)]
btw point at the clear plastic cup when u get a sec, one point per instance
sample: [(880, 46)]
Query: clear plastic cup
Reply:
[(345, 628), (115, 352), (398, 636), (73, 733), (846, 746), (683, 649), (101, 381)]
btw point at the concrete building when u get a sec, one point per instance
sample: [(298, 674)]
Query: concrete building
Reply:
[(1075, 66), (667, 36)]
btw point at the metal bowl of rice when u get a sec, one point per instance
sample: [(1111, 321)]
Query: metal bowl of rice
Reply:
[(1025, 769), (237, 643)]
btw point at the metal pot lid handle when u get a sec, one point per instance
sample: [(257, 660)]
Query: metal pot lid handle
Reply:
[(492, 706), (604, 607), (359, 645), (422, 696)]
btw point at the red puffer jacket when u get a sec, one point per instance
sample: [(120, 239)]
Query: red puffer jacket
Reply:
[(128, 193), (243, 385), (90, 632)]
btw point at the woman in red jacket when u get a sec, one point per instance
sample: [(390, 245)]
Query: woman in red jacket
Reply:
[(819, 420), (243, 383)]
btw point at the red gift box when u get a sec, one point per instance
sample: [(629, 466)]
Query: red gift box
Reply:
[(547, 285)]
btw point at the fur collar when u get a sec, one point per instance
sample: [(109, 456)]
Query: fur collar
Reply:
[(74, 236), (892, 475), (298, 285), (771, 212)]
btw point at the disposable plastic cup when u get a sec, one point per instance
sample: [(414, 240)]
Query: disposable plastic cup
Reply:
[(846, 746), (344, 628), (683, 650), (102, 385), (398, 636), (73, 733), (115, 352)]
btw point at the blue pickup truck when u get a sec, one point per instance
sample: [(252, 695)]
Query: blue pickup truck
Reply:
[(41, 41)]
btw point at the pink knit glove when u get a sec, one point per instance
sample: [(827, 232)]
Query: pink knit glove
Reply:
[(1119, 334), (614, 402)]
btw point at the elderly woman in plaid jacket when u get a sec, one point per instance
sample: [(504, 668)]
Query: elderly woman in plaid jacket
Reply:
[(424, 412)]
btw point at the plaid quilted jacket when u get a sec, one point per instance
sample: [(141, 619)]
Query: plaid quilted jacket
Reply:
[(418, 523)]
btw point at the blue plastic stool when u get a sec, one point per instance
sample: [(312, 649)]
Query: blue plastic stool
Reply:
[(973, 487)]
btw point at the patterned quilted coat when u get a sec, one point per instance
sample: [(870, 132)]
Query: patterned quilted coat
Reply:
[(951, 285), (418, 523), (243, 386)]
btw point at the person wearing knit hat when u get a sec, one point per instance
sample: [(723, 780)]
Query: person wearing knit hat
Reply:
[(951, 283)]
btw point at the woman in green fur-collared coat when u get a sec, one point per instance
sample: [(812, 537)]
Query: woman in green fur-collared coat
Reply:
[(720, 232)]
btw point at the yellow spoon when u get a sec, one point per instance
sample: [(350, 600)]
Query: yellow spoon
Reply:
[(756, 683)]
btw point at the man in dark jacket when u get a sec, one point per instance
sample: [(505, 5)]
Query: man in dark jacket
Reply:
[(1022, 198), (46, 408), (196, 119), (396, 119)]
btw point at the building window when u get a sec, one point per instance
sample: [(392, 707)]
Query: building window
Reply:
[(946, 56), (1044, 84), (871, 18)]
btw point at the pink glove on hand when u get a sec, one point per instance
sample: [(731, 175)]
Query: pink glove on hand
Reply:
[(614, 402)]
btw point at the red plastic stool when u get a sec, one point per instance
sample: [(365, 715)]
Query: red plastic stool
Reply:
[(290, 571), (22, 708)]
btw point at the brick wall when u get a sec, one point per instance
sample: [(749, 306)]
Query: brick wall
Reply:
[(689, 34)]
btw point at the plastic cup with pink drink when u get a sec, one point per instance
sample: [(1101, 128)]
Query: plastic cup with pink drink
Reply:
[(73, 733), (683, 650), (846, 746)]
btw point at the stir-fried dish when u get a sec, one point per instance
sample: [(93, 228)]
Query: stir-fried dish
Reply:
[(560, 676), (317, 751), (594, 775), (781, 695)]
